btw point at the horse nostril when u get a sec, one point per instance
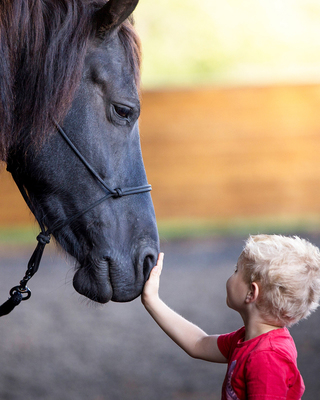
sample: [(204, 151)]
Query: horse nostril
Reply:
[(148, 263)]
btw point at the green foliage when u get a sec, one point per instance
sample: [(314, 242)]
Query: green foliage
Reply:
[(187, 42), (17, 235), (184, 228)]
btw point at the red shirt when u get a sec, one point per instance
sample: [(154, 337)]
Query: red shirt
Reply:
[(263, 368)]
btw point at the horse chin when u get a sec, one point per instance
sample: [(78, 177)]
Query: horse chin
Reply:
[(92, 280)]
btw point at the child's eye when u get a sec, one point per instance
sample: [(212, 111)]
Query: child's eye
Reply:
[(236, 268)]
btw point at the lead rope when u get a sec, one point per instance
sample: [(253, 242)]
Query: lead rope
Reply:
[(22, 292)]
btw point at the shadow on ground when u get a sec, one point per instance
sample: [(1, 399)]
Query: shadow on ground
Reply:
[(58, 347)]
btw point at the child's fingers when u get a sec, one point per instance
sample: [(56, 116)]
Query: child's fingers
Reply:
[(160, 260), (158, 267)]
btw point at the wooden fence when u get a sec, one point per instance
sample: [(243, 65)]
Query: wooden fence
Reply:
[(223, 153)]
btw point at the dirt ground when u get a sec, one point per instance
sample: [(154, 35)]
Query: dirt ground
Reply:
[(56, 346)]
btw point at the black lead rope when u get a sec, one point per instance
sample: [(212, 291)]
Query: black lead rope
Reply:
[(22, 292)]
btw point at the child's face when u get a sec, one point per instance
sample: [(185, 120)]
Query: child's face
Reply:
[(237, 288)]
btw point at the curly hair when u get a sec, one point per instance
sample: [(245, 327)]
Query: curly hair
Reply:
[(287, 271)]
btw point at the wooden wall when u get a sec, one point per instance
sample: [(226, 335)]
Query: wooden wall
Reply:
[(223, 153), (13, 210), (233, 151)]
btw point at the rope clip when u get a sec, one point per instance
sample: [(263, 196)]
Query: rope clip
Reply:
[(25, 292)]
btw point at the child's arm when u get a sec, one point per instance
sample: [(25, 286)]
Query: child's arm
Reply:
[(188, 336)]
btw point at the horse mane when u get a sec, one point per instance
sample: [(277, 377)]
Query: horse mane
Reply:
[(43, 44), (132, 46)]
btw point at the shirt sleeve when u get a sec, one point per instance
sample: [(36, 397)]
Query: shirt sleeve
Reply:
[(269, 376), (228, 341)]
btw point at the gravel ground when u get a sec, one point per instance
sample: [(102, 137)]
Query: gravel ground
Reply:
[(57, 346)]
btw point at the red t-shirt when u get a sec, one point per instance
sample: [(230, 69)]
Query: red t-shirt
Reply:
[(263, 368)]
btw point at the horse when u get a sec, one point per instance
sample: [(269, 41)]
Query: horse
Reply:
[(69, 109)]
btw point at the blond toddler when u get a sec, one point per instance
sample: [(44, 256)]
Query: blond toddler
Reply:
[(275, 284)]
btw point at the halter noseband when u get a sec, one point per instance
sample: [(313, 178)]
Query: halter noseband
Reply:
[(22, 292)]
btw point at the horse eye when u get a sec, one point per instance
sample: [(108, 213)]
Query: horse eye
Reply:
[(122, 111)]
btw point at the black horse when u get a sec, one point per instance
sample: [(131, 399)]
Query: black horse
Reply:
[(75, 63)]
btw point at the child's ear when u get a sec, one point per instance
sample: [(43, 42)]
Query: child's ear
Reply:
[(253, 293)]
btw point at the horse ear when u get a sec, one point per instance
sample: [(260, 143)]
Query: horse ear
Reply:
[(113, 13)]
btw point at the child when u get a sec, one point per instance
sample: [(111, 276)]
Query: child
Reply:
[(276, 283)]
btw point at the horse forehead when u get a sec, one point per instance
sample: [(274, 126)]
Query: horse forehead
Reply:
[(109, 53), (108, 61)]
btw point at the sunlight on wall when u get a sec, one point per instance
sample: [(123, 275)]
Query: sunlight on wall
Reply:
[(190, 42)]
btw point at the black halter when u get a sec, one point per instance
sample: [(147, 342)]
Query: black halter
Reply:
[(22, 292)]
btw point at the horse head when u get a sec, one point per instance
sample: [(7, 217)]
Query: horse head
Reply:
[(115, 242)]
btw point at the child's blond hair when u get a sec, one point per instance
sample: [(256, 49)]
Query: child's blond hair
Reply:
[(287, 271)]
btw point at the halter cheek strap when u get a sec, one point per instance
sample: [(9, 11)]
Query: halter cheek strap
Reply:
[(118, 192), (22, 292)]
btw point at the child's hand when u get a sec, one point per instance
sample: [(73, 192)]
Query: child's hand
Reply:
[(151, 288)]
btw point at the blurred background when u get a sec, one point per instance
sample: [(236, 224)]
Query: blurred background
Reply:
[(230, 111), (230, 133), (230, 121)]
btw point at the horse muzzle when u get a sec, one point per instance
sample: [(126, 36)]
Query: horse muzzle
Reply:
[(113, 278)]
